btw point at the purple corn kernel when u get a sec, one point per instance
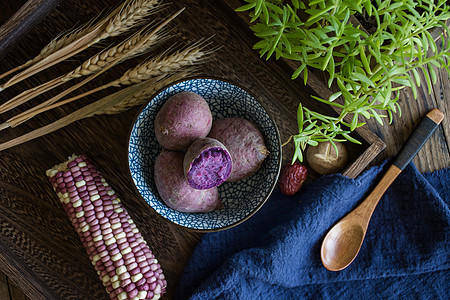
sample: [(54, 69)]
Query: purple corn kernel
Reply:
[(143, 287), (97, 202), (105, 258), (90, 216), (109, 264), (105, 225), (93, 192), (124, 245), (134, 271), (133, 293), (146, 269), (107, 230), (129, 261), (122, 240), (99, 243), (130, 287), (68, 179), (119, 263), (124, 276), (108, 236)]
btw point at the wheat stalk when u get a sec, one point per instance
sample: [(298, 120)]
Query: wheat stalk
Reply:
[(130, 14), (51, 47), (145, 71), (112, 104), (139, 43)]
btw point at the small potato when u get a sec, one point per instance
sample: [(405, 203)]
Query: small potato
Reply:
[(175, 190), (245, 143), (182, 119), (207, 163)]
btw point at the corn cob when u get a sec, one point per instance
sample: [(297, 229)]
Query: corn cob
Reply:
[(116, 248)]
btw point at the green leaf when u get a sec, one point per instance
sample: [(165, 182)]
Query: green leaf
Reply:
[(300, 118), (327, 102), (403, 80), (432, 73), (347, 96), (364, 60), (376, 116), (298, 153), (416, 77), (327, 59), (246, 7), (354, 122), (350, 139), (413, 87), (312, 143), (363, 78), (334, 96), (298, 71), (274, 8)]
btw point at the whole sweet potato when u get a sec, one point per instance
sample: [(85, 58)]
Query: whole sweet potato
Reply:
[(245, 143), (174, 189), (182, 119), (207, 163)]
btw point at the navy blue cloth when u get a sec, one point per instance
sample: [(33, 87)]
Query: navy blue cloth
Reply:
[(276, 253)]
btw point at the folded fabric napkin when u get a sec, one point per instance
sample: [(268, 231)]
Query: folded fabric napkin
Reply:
[(276, 253)]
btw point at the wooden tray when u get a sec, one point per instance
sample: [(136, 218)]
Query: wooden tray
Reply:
[(39, 250)]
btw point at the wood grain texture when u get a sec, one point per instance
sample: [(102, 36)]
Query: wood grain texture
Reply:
[(4, 291), (29, 14), (39, 250)]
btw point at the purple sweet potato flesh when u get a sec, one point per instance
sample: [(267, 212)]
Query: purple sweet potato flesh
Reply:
[(174, 189), (207, 163), (182, 119), (245, 143)]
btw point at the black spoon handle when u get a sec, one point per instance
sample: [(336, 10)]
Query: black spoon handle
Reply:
[(418, 138)]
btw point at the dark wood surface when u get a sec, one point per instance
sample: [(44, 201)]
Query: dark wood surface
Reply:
[(41, 256), (23, 20)]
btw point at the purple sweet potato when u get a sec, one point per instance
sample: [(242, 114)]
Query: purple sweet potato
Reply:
[(174, 189), (245, 143), (182, 119), (207, 163)]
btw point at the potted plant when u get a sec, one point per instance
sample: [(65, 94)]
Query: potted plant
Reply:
[(371, 49)]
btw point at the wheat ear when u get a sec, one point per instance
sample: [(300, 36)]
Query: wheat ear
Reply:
[(139, 43), (112, 104), (188, 58), (131, 13), (51, 47), (47, 105), (145, 71)]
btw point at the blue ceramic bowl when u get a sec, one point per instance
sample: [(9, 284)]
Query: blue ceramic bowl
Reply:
[(240, 199)]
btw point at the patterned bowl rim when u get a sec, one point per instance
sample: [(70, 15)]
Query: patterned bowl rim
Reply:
[(279, 157)]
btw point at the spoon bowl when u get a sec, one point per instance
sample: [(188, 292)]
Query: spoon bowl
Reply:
[(343, 241)]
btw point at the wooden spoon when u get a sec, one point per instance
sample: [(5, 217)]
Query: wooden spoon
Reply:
[(343, 241)]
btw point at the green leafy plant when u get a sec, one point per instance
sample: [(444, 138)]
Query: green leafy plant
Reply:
[(370, 64)]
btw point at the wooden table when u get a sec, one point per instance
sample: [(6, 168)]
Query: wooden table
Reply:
[(40, 253)]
